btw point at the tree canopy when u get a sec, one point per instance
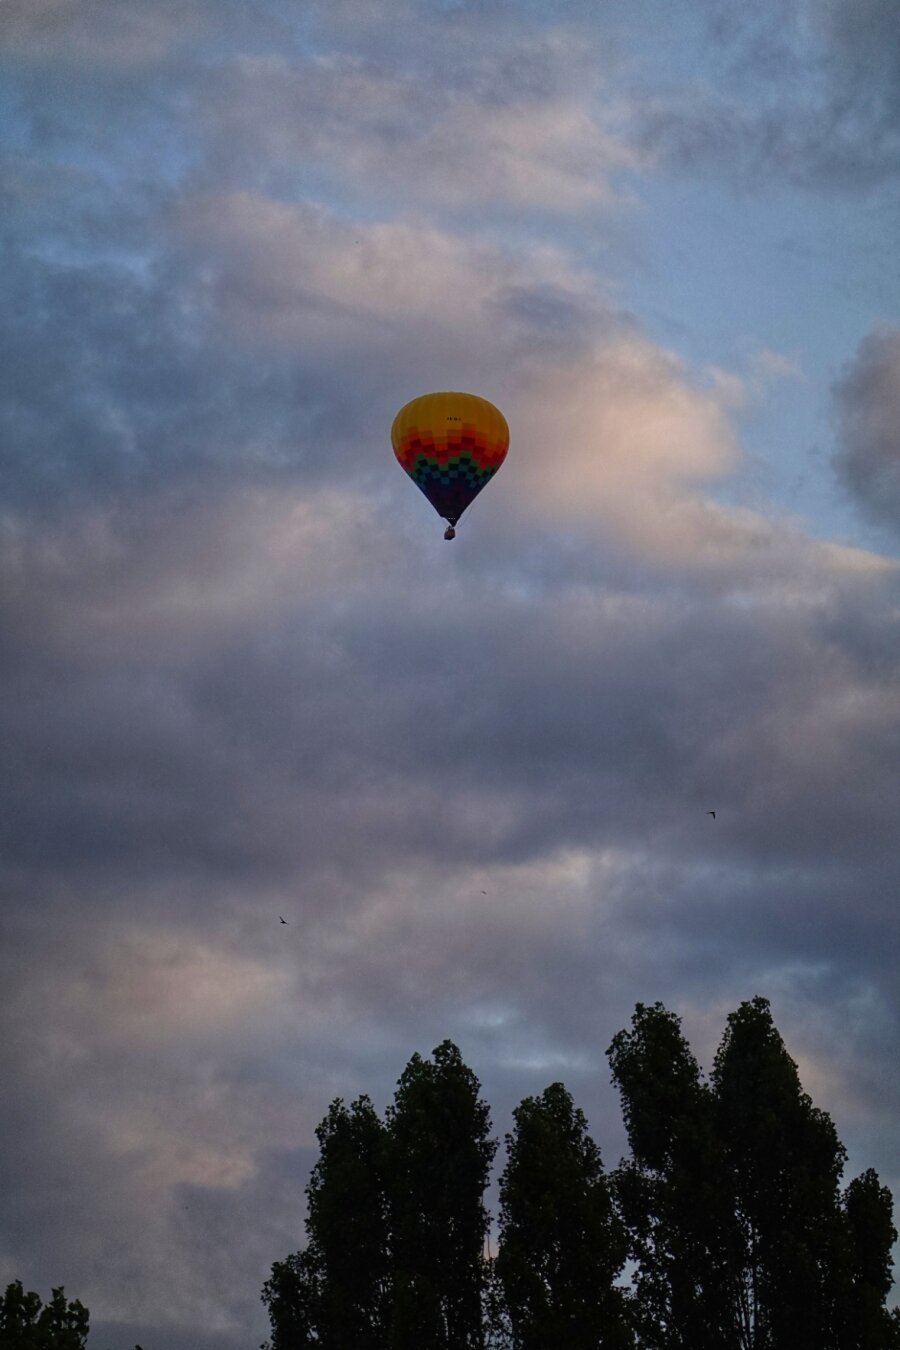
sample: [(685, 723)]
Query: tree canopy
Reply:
[(28, 1324), (724, 1229), (396, 1221), (561, 1243)]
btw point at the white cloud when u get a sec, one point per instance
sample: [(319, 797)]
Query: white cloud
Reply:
[(179, 574), (768, 365), (619, 429), (292, 272), (513, 121)]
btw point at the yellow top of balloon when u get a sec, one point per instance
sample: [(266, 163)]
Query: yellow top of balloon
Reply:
[(436, 415)]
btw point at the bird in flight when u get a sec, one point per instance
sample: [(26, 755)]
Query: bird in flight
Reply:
[(711, 813), (282, 920)]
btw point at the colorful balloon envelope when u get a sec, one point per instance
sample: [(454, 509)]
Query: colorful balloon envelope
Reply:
[(451, 445)]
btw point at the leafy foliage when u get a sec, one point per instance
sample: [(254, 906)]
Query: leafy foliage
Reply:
[(731, 1199), (562, 1245), (335, 1292), (784, 1163), (290, 1294), (396, 1222), (863, 1322), (27, 1325), (440, 1157), (672, 1193), (728, 1207)]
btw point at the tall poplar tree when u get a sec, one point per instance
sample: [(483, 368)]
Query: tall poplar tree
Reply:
[(561, 1244), (863, 1322), (728, 1206), (336, 1293), (741, 1237), (672, 1192), (785, 1161), (440, 1155)]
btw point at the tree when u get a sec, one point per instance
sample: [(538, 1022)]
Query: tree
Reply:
[(348, 1228), (336, 1292), (785, 1161), (731, 1199), (673, 1194), (728, 1206), (561, 1244), (290, 1294), (439, 1159), (498, 1333), (863, 1322), (26, 1325)]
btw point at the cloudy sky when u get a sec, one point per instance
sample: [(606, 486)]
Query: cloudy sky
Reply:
[(243, 675)]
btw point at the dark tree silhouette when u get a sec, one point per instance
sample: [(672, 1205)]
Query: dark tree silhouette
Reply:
[(440, 1157), (396, 1222), (672, 1192), (731, 1199), (729, 1207), (335, 1293), (785, 1161), (561, 1244), (348, 1220), (863, 1322), (290, 1295), (27, 1325)]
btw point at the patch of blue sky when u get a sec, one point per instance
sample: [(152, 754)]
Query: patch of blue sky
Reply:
[(719, 278), (717, 274), (99, 130)]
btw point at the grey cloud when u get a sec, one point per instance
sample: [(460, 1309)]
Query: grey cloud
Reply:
[(863, 55), (131, 37), (808, 98), (95, 1081), (475, 149), (555, 323), (276, 102), (114, 383), (867, 405), (818, 149), (312, 732)]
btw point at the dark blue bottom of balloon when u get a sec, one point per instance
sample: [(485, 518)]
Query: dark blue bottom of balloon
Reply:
[(450, 487)]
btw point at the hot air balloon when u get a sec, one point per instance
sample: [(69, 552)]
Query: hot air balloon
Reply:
[(450, 445)]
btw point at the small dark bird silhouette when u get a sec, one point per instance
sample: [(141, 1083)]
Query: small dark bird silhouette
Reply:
[(282, 920), (484, 892), (711, 813)]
